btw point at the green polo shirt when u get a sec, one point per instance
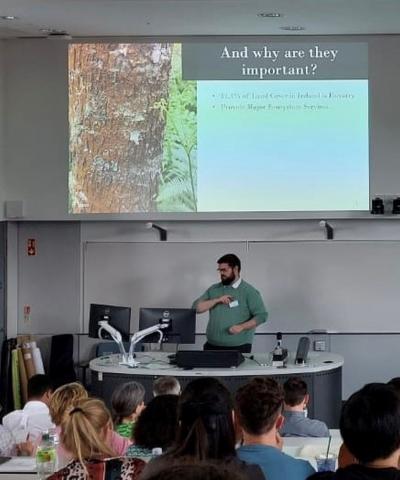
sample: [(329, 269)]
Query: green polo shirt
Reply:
[(222, 317)]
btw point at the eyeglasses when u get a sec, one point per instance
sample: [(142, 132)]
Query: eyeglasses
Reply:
[(224, 269)]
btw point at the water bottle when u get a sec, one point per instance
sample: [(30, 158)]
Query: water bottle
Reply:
[(53, 434), (45, 457), (156, 452)]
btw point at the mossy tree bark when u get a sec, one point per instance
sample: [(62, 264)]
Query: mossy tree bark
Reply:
[(116, 132)]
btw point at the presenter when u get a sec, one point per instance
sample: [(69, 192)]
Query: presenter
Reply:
[(235, 309)]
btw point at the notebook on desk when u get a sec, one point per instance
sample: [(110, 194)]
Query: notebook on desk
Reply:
[(18, 465)]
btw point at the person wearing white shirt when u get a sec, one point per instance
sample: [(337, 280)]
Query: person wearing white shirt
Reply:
[(7, 445), (34, 419)]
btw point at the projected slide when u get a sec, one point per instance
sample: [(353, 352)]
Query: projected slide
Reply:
[(206, 127)]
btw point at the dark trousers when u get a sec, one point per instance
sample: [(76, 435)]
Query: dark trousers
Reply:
[(245, 348)]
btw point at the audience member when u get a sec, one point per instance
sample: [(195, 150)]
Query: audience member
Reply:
[(196, 471), (206, 431), (127, 402), (7, 443), (156, 427), (345, 458), (84, 433), (259, 415), (63, 400), (166, 386), (395, 382), (34, 418), (370, 428), (296, 423)]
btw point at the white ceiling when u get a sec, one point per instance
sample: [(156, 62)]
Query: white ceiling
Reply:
[(87, 18)]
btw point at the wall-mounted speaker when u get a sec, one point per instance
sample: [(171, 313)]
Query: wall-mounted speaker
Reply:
[(14, 209)]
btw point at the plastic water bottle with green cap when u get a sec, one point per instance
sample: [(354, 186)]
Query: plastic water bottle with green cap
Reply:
[(46, 457)]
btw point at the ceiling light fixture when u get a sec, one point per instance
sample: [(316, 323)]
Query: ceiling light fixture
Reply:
[(293, 28), (269, 15), (53, 31), (59, 36)]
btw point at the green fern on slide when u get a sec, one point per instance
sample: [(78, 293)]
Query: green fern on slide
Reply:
[(178, 182), (176, 195)]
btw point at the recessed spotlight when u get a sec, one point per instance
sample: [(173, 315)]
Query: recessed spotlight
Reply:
[(293, 28), (269, 15), (8, 17)]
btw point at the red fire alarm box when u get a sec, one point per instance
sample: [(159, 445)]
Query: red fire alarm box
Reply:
[(31, 247)]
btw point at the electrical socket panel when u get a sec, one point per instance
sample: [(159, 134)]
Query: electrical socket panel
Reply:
[(319, 346)]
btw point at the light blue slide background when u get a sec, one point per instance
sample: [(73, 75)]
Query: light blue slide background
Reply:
[(289, 145)]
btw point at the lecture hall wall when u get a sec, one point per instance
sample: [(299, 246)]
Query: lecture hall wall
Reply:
[(2, 126), (34, 169)]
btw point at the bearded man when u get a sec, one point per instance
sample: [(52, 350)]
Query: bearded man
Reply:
[(235, 309)]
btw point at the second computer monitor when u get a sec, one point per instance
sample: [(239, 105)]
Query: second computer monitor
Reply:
[(182, 324)]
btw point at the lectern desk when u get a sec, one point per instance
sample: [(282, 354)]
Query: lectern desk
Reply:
[(322, 373)]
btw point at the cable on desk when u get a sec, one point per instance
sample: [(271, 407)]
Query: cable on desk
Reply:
[(254, 360)]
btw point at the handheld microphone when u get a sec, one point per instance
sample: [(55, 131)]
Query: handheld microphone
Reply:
[(302, 351)]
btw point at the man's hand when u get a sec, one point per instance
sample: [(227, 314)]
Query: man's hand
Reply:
[(235, 329), (206, 305), (26, 449), (225, 299)]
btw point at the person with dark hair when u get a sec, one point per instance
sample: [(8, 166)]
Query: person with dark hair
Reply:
[(296, 423), (370, 428), (395, 382), (40, 386), (235, 309), (206, 431), (156, 427), (34, 418), (127, 402), (345, 457), (259, 406), (166, 386), (196, 471)]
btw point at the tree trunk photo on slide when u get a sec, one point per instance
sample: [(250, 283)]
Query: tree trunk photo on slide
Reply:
[(116, 130)]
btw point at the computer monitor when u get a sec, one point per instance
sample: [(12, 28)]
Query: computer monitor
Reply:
[(182, 324), (117, 317)]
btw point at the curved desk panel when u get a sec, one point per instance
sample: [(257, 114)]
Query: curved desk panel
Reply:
[(322, 373)]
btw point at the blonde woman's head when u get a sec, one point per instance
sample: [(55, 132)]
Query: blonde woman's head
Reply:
[(64, 399), (85, 429)]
